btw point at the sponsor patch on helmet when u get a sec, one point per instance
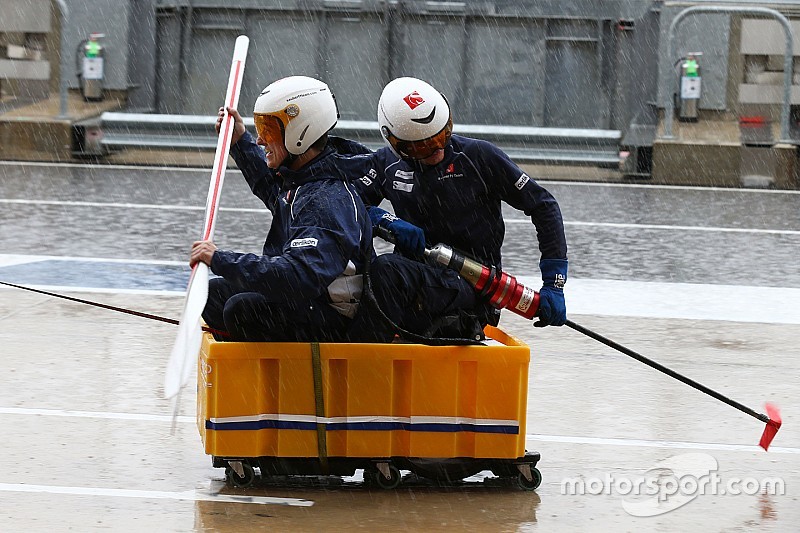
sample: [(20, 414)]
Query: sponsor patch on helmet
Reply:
[(414, 100), (522, 181), (402, 186), (309, 242), (404, 174)]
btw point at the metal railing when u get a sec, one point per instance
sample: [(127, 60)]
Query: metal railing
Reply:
[(557, 146), (669, 109)]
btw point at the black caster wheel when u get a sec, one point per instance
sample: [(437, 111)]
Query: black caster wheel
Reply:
[(533, 484), (241, 481), (392, 483)]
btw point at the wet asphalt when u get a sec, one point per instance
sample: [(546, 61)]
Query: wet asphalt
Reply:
[(88, 430)]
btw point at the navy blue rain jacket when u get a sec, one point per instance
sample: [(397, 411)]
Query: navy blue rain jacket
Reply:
[(458, 201), (319, 224)]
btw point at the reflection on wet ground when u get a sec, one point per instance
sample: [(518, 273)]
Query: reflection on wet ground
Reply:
[(86, 427)]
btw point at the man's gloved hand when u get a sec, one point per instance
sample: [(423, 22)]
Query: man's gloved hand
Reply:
[(552, 308), (409, 239), (238, 123)]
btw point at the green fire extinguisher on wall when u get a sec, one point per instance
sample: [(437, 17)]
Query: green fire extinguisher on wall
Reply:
[(90, 67)]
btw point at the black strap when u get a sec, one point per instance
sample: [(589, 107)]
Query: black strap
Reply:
[(322, 442), (369, 297)]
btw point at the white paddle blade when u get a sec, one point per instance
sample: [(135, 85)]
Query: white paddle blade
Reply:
[(190, 333)]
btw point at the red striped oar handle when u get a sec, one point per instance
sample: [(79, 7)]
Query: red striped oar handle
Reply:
[(187, 342)]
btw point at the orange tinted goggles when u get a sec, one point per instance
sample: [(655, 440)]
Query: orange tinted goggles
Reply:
[(269, 128), (424, 148)]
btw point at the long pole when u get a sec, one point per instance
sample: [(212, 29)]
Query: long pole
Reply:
[(187, 342), (773, 422)]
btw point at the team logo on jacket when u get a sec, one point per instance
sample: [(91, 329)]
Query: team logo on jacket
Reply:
[(402, 186), (522, 181), (404, 174), (367, 178), (450, 172), (309, 242), (414, 100)]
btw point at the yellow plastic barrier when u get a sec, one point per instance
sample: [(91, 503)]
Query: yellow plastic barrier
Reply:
[(380, 400)]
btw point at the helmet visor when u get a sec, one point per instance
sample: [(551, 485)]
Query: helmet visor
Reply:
[(269, 128), (424, 148)]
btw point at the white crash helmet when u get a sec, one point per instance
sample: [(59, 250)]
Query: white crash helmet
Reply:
[(305, 107), (414, 118)]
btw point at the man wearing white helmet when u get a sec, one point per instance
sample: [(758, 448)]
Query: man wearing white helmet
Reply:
[(307, 284), (448, 188)]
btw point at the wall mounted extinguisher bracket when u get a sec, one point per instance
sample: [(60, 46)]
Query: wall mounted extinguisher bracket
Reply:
[(90, 67), (689, 87)]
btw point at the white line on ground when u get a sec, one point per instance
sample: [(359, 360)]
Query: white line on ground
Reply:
[(104, 167), (543, 180), (15, 259), (711, 229), (657, 444), (645, 299), (191, 495), (98, 290), (69, 203), (69, 413), (264, 211), (529, 437), (668, 187)]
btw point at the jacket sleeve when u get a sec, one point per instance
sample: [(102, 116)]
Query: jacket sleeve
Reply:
[(250, 159), (518, 190), (324, 235), (365, 175)]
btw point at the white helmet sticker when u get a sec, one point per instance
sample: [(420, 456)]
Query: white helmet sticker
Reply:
[(304, 243)]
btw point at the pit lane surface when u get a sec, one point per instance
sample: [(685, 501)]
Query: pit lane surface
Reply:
[(704, 281)]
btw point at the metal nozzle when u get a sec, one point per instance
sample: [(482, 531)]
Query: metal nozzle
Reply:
[(440, 254)]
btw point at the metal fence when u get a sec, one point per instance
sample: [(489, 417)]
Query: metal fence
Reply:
[(558, 146)]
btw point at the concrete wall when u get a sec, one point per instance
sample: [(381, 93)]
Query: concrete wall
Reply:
[(523, 63)]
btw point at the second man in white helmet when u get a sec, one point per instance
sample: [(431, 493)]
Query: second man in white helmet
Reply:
[(448, 188)]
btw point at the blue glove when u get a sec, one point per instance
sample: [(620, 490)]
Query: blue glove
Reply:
[(409, 239), (552, 308)]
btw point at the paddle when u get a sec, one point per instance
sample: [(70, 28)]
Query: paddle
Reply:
[(187, 343)]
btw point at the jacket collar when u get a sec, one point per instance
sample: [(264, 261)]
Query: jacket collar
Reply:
[(319, 168)]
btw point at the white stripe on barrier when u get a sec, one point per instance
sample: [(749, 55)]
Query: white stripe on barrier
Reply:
[(366, 419)]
